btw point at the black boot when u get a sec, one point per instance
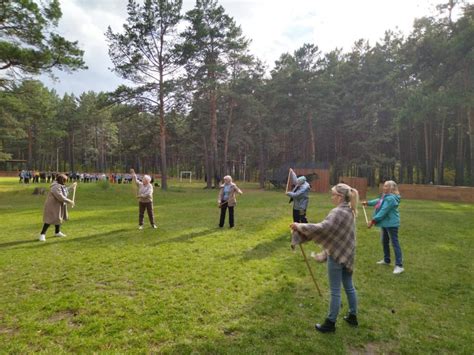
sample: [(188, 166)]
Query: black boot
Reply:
[(327, 327), (351, 319)]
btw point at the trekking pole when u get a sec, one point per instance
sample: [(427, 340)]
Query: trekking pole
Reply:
[(365, 214), (310, 271)]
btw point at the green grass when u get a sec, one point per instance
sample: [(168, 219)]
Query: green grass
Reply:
[(190, 287)]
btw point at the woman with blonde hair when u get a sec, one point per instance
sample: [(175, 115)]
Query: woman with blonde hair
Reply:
[(337, 235), (227, 200), (387, 217)]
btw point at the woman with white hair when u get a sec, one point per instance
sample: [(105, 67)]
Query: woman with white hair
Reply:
[(387, 217), (145, 199), (227, 200), (337, 235)]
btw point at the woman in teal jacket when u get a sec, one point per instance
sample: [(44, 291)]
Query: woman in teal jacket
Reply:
[(387, 217)]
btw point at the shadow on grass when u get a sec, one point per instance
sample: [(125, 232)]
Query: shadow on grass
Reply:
[(94, 239), (188, 237), (279, 320), (18, 242), (265, 249)]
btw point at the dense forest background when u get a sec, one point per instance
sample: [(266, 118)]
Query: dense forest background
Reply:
[(400, 109)]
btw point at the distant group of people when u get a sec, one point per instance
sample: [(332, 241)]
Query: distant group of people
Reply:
[(336, 233), (36, 177)]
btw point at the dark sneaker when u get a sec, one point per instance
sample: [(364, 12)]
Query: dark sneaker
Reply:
[(327, 327), (351, 319)]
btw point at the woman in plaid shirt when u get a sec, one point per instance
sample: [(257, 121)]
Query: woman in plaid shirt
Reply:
[(336, 234)]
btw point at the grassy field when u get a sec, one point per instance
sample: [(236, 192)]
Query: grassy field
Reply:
[(191, 287)]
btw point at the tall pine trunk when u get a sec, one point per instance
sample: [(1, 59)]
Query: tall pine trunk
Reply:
[(428, 177), (311, 135), (459, 171), (227, 135), (164, 172), (207, 163), (440, 175), (470, 120), (261, 159), (213, 149)]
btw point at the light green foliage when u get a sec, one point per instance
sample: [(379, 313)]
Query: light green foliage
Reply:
[(190, 287), (28, 43)]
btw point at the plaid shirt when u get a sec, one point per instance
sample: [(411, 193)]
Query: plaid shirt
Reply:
[(336, 234)]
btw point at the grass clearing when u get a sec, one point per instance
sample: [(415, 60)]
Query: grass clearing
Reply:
[(191, 287)]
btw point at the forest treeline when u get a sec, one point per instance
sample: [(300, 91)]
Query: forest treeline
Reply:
[(400, 109)]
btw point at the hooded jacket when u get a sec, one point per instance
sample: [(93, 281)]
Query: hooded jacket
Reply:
[(300, 196), (387, 214)]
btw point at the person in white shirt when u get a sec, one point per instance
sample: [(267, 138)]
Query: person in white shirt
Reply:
[(145, 199)]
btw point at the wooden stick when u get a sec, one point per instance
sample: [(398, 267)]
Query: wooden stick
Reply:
[(288, 180), (310, 271), (74, 195), (365, 214), (223, 203)]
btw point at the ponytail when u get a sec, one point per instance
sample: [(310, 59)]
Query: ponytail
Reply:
[(349, 194)]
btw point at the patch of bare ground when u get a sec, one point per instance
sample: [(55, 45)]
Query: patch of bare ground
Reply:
[(68, 315), (374, 349)]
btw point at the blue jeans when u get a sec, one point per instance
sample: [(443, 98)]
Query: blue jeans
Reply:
[(338, 275), (391, 234)]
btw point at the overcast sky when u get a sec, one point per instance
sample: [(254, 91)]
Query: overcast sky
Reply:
[(274, 26)]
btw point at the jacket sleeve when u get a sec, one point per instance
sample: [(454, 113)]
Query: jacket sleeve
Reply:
[(317, 232), (135, 180), (297, 193), (219, 196), (237, 189), (56, 191), (387, 205), (373, 202)]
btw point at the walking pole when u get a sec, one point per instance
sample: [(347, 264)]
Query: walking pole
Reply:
[(288, 180), (365, 214), (74, 194), (310, 271)]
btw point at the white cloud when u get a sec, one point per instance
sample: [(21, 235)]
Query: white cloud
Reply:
[(274, 26)]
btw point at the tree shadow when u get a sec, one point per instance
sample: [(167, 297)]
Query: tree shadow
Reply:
[(279, 320), (17, 242)]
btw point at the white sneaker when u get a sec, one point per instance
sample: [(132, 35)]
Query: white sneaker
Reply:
[(140, 227), (60, 234), (154, 226), (42, 238), (398, 270), (382, 262)]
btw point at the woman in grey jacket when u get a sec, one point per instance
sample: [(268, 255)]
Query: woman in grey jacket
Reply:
[(300, 197)]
